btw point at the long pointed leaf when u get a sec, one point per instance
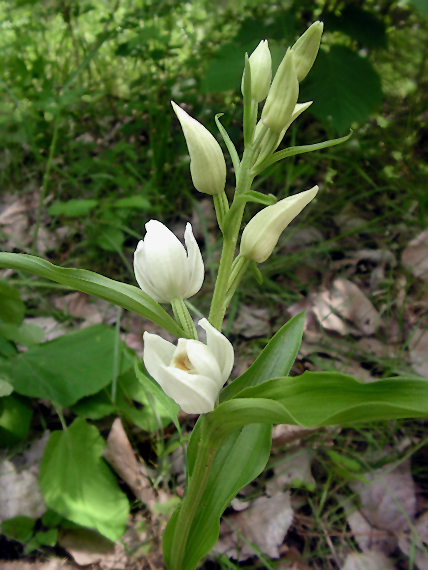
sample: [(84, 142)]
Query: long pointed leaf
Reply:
[(126, 296), (292, 151), (229, 144)]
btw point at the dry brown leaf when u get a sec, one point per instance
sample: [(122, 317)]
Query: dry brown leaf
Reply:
[(303, 238), (265, 524), (418, 347), (252, 322), (89, 547), (283, 434), (413, 541), (415, 256), (351, 303), (52, 564), (119, 453), (295, 466), (370, 560), (387, 502), (77, 305), (20, 493)]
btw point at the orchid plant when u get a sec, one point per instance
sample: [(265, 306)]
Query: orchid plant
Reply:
[(231, 441)]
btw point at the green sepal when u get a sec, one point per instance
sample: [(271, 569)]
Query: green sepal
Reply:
[(292, 151), (126, 296), (257, 274)]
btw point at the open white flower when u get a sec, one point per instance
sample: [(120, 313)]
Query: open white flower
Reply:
[(163, 268), (191, 373)]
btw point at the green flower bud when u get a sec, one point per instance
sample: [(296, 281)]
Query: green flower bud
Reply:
[(207, 165), (261, 72), (261, 234), (282, 97), (306, 48)]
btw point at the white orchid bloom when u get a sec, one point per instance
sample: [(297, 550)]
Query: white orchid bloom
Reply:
[(191, 373), (163, 268)]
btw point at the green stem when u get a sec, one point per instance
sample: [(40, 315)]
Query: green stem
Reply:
[(45, 181), (183, 317), (218, 304), (196, 487), (221, 206)]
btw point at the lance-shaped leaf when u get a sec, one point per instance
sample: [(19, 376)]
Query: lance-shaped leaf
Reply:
[(319, 399), (292, 151), (242, 455), (122, 294)]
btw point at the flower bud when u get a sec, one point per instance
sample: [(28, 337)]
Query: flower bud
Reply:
[(298, 110), (191, 373), (306, 48), (282, 97), (261, 234), (163, 268), (261, 72), (207, 164)]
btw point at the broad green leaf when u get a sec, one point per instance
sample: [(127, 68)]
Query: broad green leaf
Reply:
[(67, 368), (279, 354), (243, 454), (360, 25), (136, 202), (126, 296), (12, 309), (111, 239), (421, 5), (77, 484), (47, 537), (18, 528), (15, 418), (26, 334), (344, 87), (5, 388), (73, 208), (147, 415), (165, 401)]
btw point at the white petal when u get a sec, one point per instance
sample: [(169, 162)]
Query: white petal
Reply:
[(157, 354), (166, 260), (195, 263), (221, 348), (142, 277), (204, 361), (195, 394)]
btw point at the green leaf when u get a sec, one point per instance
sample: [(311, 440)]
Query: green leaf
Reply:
[(67, 368), (126, 296), (18, 528), (5, 388), (278, 355), (26, 334), (153, 387), (12, 309), (320, 399), (111, 239), (15, 418), (292, 151), (421, 5), (243, 454), (344, 86), (136, 202), (72, 208), (47, 537), (225, 70), (360, 25), (77, 484), (229, 144)]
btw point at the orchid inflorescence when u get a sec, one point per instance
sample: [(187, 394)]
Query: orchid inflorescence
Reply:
[(193, 373)]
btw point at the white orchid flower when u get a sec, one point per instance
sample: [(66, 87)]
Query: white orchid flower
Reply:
[(191, 373), (163, 268)]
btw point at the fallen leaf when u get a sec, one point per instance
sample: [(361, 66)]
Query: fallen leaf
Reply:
[(119, 453), (252, 322), (413, 541), (53, 329), (370, 560), (418, 347), (265, 523), (77, 305), (20, 493), (387, 503), (302, 239), (292, 470), (89, 547), (52, 564), (415, 256), (283, 434)]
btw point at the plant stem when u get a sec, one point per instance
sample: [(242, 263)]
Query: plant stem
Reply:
[(183, 317), (218, 304), (195, 490), (45, 181)]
